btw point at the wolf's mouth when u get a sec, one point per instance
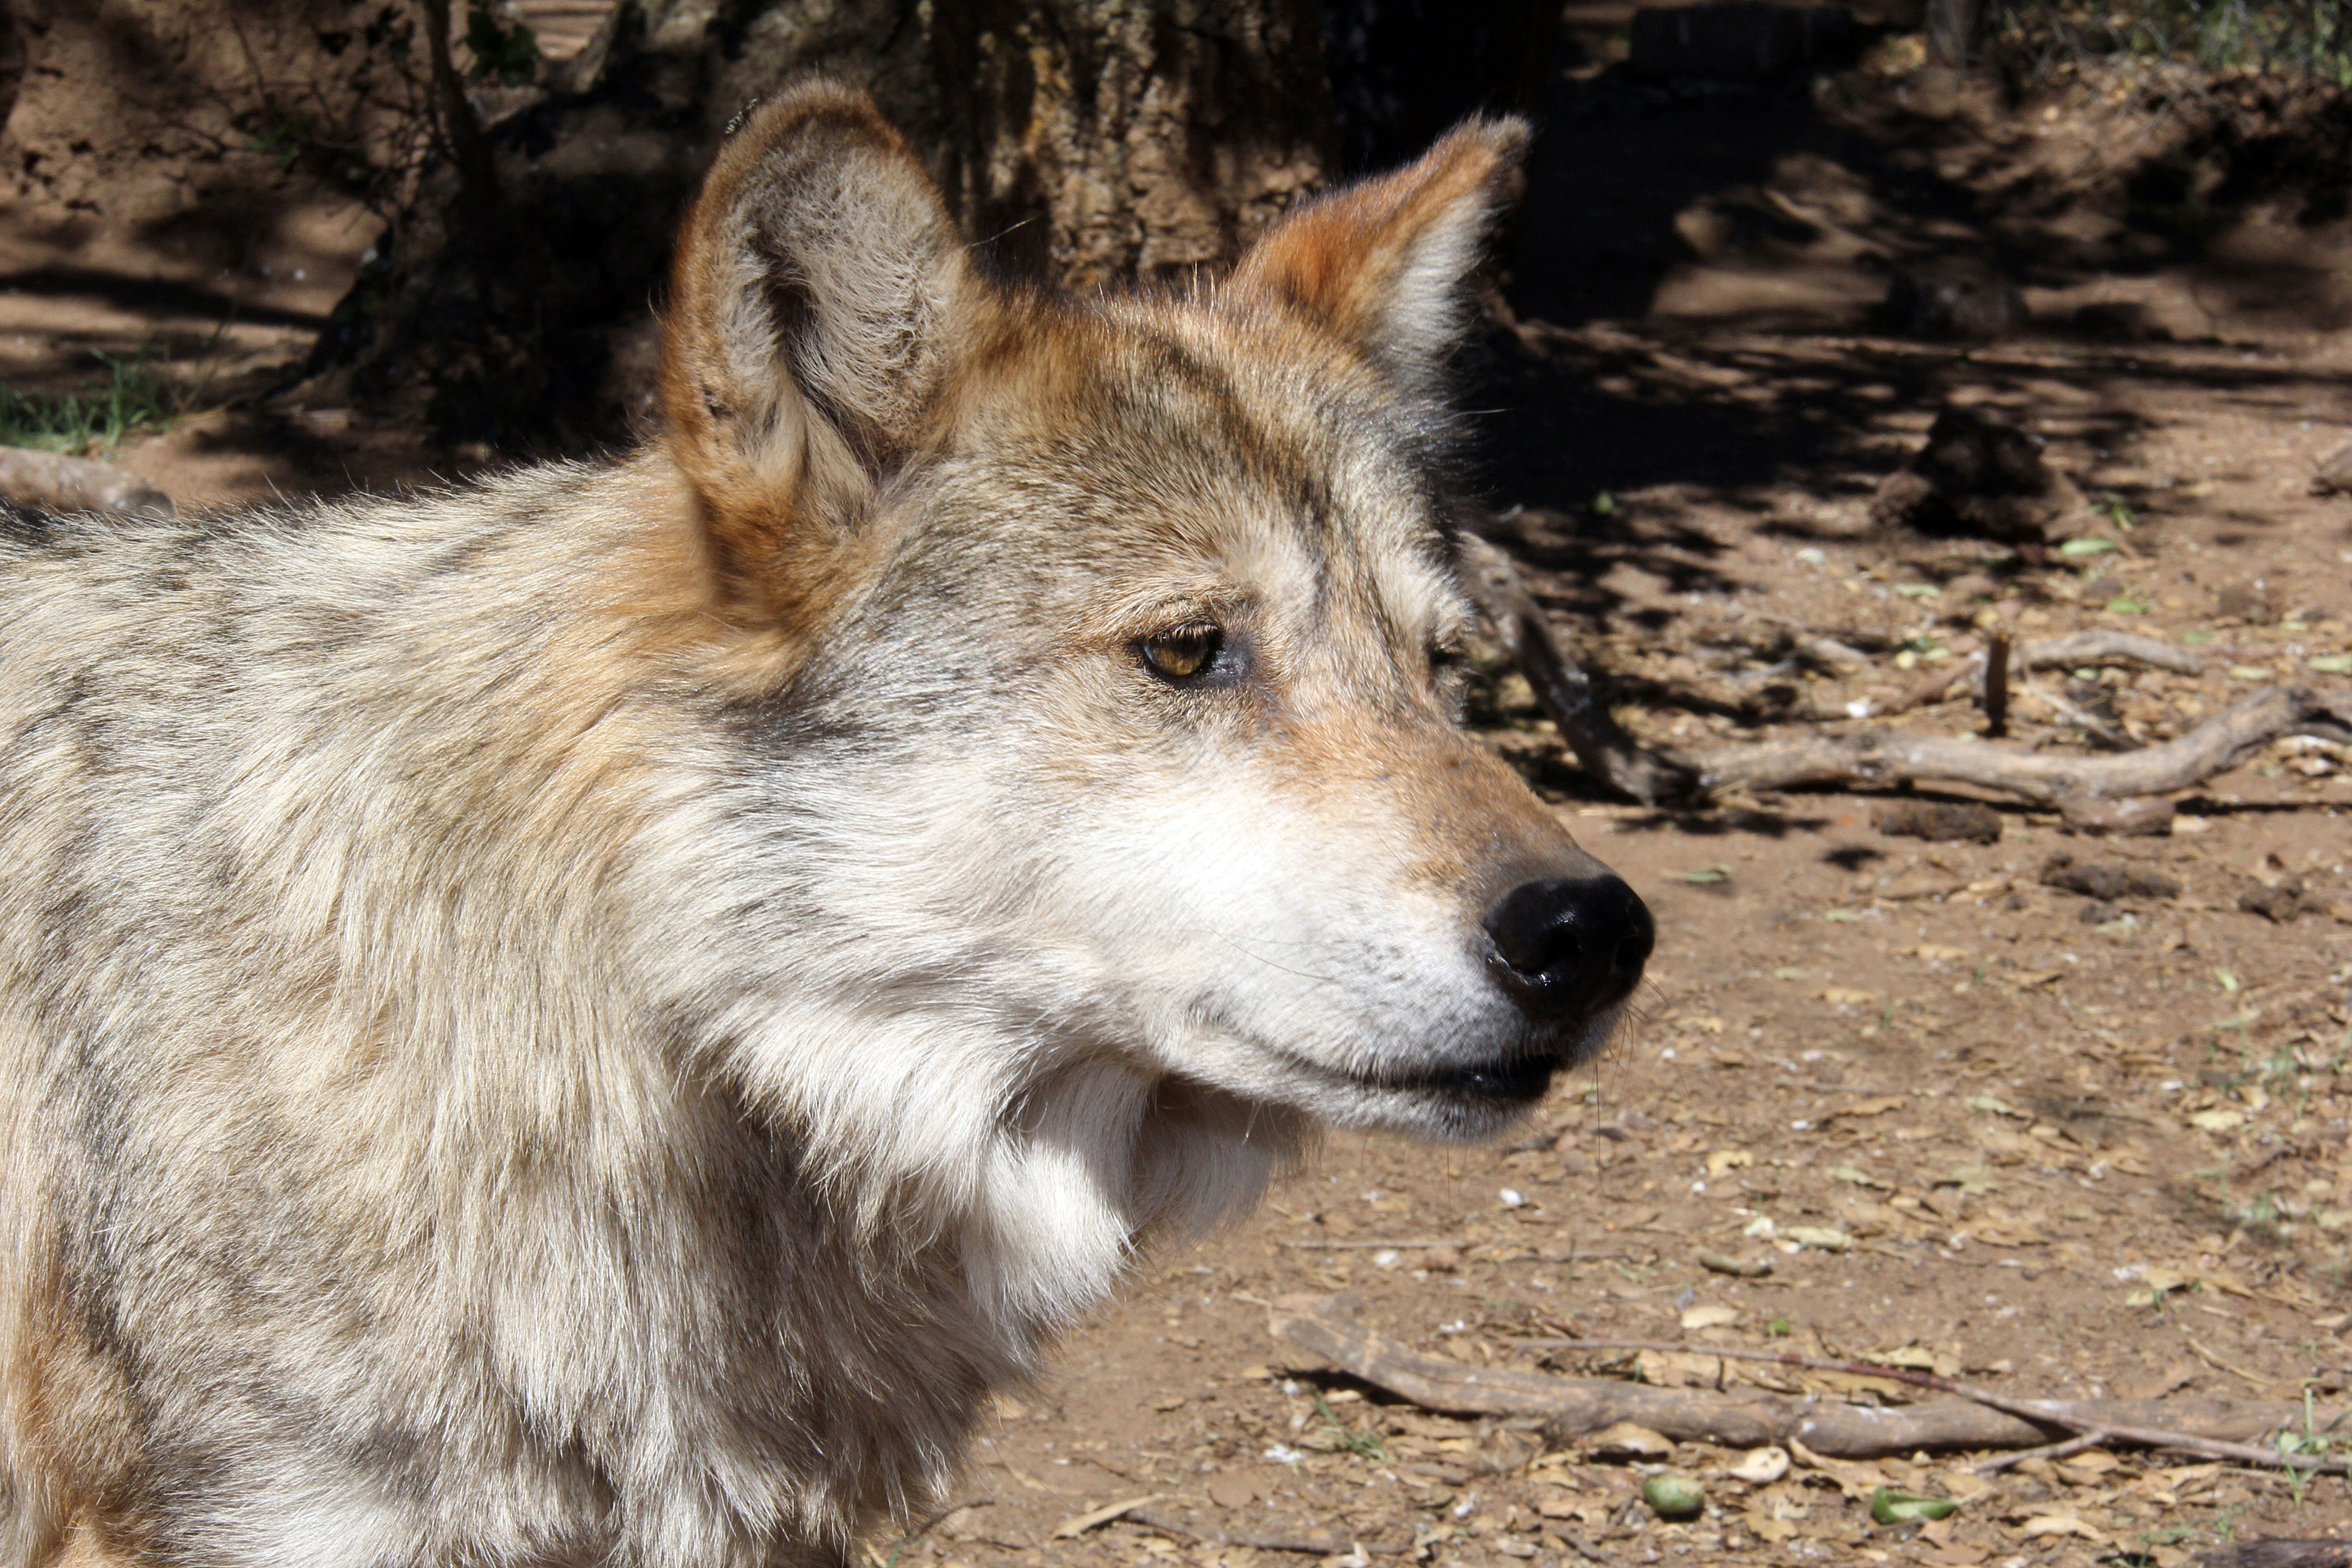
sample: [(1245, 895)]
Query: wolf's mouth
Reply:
[(1520, 1079)]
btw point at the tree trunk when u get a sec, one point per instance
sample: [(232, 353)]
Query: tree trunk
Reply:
[(1079, 141)]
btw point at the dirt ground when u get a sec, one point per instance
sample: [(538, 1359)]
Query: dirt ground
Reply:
[(1971, 1120)]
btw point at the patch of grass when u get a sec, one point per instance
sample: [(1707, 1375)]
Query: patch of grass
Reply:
[(138, 396), (1363, 1444), (2314, 1441)]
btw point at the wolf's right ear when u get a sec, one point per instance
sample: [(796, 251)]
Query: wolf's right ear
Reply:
[(820, 294), (1382, 263)]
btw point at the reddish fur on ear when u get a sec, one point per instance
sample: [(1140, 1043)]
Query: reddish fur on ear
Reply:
[(819, 295), (1381, 264)]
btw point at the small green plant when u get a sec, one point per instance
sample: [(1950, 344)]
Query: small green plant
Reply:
[(138, 396), (505, 52), (286, 138), (2319, 1444), (1362, 1444), (2117, 510), (1779, 1329)]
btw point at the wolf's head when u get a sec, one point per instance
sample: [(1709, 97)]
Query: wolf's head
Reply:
[(1111, 747)]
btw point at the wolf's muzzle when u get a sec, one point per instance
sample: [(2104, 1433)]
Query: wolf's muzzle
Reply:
[(1567, 947)]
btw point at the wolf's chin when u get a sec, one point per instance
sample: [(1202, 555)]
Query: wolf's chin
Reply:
[(1447, 1102)]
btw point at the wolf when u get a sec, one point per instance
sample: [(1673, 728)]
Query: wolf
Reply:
[(594, 1018)]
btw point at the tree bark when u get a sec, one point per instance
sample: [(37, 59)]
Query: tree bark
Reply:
[(1079, 141)]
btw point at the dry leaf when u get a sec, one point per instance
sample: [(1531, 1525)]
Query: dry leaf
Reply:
[(1625, 1439), (1761, 1466), (2006, 1232), (1878, 1105), (1820, 1238), (2058, 1524)]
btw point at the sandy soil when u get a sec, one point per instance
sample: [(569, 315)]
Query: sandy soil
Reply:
[(2071, 1147)]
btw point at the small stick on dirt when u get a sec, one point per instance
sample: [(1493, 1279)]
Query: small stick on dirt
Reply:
[(2071, 1446), (1364, 1246), (1996, 687), (1602, 749), (1151, 1518), (1878, 757)]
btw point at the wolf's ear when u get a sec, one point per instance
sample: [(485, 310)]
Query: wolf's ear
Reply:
[(820, 294), (1381, 263)]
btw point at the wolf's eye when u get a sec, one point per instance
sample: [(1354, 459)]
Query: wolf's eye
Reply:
[(1183, 653), (1449, 673)]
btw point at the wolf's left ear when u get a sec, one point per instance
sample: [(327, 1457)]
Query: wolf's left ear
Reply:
[(819, 297), (1381, 263)]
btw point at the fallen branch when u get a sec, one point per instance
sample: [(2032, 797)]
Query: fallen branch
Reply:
[(1973, 1419), (2107, 646), (1879, 757), (1603, 748), (2067, 1413)]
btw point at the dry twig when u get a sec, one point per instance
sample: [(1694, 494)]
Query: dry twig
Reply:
[(2072, 1446), (1152, 1519)]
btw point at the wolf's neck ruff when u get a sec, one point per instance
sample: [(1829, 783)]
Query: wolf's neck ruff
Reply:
[(595, 1018)]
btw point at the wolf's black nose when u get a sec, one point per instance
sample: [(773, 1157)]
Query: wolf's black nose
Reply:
[(1569, 947)]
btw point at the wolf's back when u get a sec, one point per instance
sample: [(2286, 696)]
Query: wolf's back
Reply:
[(327, 838)]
